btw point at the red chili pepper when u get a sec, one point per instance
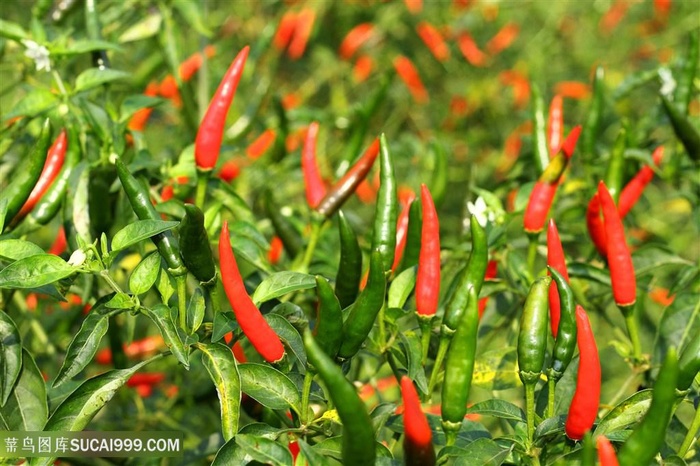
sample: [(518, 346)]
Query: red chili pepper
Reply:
[(275, 251), (572, 89), (54, 161), (402, 230), (409, 75), (363, 68), (60, 244), (208, 141), (491, 272), (230, 170), (428, 277), (294, 450), (584, 405), (236, 349), (596, 227), (302, 31), (138, 120), (253, 324), (555, 124), (556, 260), (624, 283), (135, 349), (606, 452), (432, 38), (662, 8), (261, 144), (569, 144), (354, 39), (145, 378), (313, 181), (285, 30), (503, 38), (632, 191), (418, 439), (414, 6), (470, 50), (613, 16), (520, 84)]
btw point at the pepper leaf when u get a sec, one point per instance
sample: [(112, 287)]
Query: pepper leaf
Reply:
[(195, 310), (10, 356), (626, 413), (161, 316), (290, 336), (15, 249), (269, 387), (35, 271), (219, 362), (139, 231), (26, 409), (244, 447), (281, 283), (94, 77), (401, 287), (498, 408), (145, 274)]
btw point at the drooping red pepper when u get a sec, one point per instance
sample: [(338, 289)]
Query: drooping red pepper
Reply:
[(208, 141), (138, 120), (432, 38), (606, 452), (555, 124), (632, 191), (402, 229), (622, 276), (556, 260), (60, 245), (285, 30), (411, 78), (470, 50), (313, 182), (363, 68), (428, 276), (261, 144), (596, 227), (253, 324), (302, 31), (543, 192), (503, 38), (584, 405), (418, 439), (54, 161), (354, 39)]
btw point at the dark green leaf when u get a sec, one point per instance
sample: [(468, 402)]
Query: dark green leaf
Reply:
[(26, 409), (498, 408), (94, 77), (281, 283), (161, 316), (311, 456), (35, 271), (221, 365), (484, 452), (269, 387), (290, 336), (10, 356), (138, 231), (224, 322), (145, 274), (191, 12), (195, 310), (82, 46), (264, 450), (120, 301)]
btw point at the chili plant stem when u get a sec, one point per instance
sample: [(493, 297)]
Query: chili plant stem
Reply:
[(551, 385), (382, 328), (531, 254), (311, 247), (530, 411), (182, 300), (202, 181), (214, 297), (426, 330), (308, 378), (690, 436), (633, 330), (442, 351)]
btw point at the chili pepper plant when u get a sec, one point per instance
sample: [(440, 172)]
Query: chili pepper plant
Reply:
[(457, 232)]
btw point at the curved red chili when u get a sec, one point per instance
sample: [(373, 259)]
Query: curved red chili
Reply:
[(569, 144), (606, 452), (52, 165), (624, 283), (555, 124), (315, 187), (354, 39), (208, 142), (253, 324), (596, 227), (632, 191), (418, 439), (556, 260), (584, 405), (428, 277), (538, 206)]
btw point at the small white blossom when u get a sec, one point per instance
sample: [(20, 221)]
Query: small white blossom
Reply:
[(668, 84), (77, 258), (38, 53), (481, 211)]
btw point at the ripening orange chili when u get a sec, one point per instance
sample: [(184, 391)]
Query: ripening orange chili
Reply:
[(432, 38), (414, 6), (253, 324), (211, 130), (285, 30), (584, 405), (409, 75), (363, 68), (572, 89), (354, 39), (418, 438), (470, 51), (261, 144), (520, 84), (428, 276), (275, 252), (503, 38), (555, 124), (230, 170), (613, 16), (557, 261), (632, 191), (302, 31), (138, 120), (313, 181)]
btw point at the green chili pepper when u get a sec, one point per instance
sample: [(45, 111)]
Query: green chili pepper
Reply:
[(101, 202), (532, 339), (539, 131), (26, 174), (415, 225), (141, 203), (195, 250), (364, 311), (438, 181), (684, 129), (472, 276), (689, 364), (588, 451), (358, 447), (648, 437), (616, 165), (347, 281), (565, 343), (283, 227), (592, 126), (384, 235), (459, 368), (684, 85), (328, 331)]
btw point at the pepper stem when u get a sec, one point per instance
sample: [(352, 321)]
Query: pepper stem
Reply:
[(214, 296), (530, 411), (306, 392), (690, 436), (181, 281), (531, 254), (426, 329), (442, 351), (311, 247), (551, 385), (633, 330), (202, 181)]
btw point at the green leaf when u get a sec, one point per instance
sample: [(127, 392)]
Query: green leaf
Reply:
[(120, 301), (264, 450), (289, 335), (145, 274), (498, 408), (224, 322), (195, 310), (78, 409), (147, 27), (281, 283), (401, 287), (32, 104), (230, 454), (588, 272), (311, 456), (496, 370), (139, 231), (134, 103), (628, 412), (414, 356), (35, 271), (82, 46), (549, 429), (680, 322), (269, 387), (10, 356), (12, 30), (15, 249), (26, 409), (3, 213), (483, 451), (85, 343), (164, 285), (94, 77), (221, 365), (161, 316)]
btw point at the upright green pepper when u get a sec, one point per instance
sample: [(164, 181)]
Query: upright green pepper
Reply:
[(616, 165), (347, 281), (459, 368), (684, 129), (684, 86), (539, 131), (358, 435), (592, 126), (364, 312), (565, 343), (27, 174), (101, 202), (141, 203), (196, 253), (412, 250), (648, 437), (689, 364), (329, 319), (384, 234)]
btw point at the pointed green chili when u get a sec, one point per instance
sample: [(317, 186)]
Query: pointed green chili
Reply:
[(384, 234), (347, 281)]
